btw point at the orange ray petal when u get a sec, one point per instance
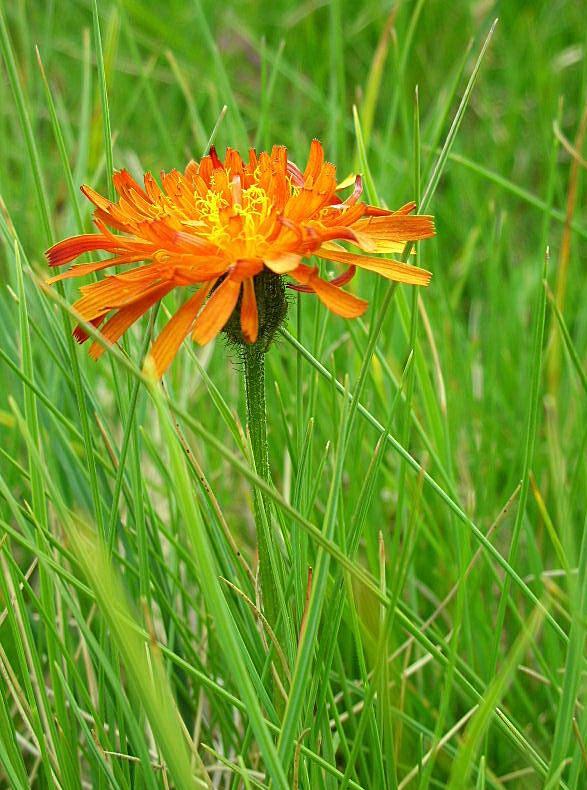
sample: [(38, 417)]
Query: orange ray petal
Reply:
[(69, 249), (392, 270), (286, 262), (407, 208), (340, 302), (191, 171), (116, 326), (397, 227), (196, 244), (233, 163), (295, 174), (357, 190), (306, 204), (326, 181), (176, 330), (342, 279), (245, 268), (148, 274), (217, 311), (95, 197), (315, 160), (87, 268), (115, 292), (191, 269), (216, 163), (106, 217), (81, 334), (344, 215), (249, 313), (376, 211), (343, 233), (124, 183), (205, 171), (381, 246), (152, 188)]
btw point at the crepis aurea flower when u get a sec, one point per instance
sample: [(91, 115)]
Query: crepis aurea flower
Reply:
[(229, 232)]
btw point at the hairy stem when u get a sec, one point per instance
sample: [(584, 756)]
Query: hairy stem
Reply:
[(254, 374)]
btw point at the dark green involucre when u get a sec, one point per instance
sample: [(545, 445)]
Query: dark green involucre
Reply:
[(271, 306)]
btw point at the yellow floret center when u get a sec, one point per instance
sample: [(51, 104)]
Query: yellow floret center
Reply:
[(217, 212)]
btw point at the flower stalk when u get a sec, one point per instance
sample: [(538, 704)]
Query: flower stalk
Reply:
[(253, 356)]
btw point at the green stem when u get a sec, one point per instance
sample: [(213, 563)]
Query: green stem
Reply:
[(254, 365), (254, 375)]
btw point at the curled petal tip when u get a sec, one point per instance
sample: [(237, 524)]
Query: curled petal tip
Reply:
[(214, 157), (80, 334)]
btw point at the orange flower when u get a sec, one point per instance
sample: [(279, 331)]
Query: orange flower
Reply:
[(218, 226)]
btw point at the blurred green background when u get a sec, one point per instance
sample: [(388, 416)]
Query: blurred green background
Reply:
[(514, 183)]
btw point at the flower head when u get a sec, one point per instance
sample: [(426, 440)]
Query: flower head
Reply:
[(222, 230)]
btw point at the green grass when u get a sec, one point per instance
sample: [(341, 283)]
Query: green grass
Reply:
[(427, 460)]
